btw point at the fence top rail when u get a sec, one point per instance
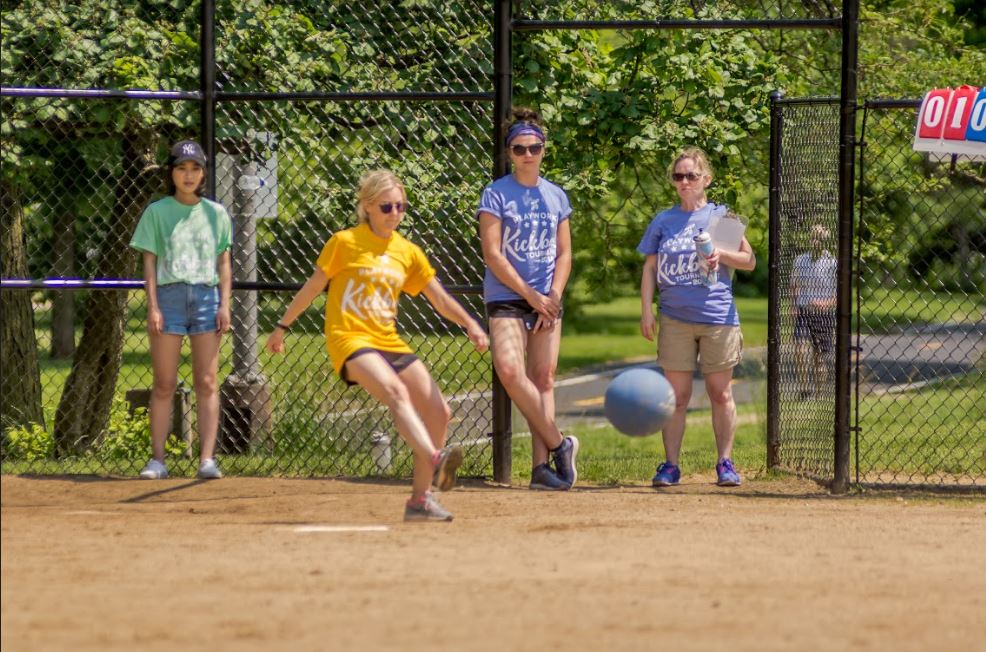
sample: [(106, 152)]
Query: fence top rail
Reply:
[(134, 284), (892, 104), (247, 96), (14, 91), (794, 101), (361, 96), (524, 25)]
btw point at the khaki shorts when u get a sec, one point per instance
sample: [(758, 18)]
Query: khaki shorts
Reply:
[(717, 348)]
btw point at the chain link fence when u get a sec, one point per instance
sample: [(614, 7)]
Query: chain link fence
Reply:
[(921, 310), (919, 340), (307, 100), (803, 245)]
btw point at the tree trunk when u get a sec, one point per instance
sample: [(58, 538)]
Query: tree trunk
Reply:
[(63, 301), (20, 376), (68, 188), (85, 406)]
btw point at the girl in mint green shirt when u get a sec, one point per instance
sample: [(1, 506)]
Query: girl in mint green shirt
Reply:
[(185, 240)]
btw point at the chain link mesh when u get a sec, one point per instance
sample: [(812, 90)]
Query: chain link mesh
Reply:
[(920, 312), (922, 318), (82, 170), (808, 203)]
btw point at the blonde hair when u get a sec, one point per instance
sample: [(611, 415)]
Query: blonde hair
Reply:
[(371, 184), (697, 155)]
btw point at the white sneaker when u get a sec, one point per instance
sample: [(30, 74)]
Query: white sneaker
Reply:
[(208, 470), (154, 470)]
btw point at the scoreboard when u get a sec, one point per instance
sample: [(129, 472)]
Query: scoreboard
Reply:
[(953, 121)]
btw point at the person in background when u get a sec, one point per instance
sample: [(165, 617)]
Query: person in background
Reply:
[(813, 283), (185, 240)]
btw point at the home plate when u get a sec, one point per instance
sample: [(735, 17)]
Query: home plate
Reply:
[(341, 528)]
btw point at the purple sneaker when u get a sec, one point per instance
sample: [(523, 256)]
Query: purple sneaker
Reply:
[(544, 478), (667, 475), (728, 477), (564, 457)]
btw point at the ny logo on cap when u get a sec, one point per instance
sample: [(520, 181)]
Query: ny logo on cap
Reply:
[(188, 149)]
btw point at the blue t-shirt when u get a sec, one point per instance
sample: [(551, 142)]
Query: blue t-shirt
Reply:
[(529, 219), (683, 294)]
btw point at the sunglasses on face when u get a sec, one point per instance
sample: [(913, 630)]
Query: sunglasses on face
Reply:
[(681, 176), (400, 207), (520, 150)]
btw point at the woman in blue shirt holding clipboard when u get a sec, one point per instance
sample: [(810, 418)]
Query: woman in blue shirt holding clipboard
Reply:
[(699, 324)]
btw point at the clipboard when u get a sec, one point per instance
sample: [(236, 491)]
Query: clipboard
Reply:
[(727, 231)]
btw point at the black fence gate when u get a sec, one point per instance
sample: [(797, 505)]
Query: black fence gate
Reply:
[(918, 344)]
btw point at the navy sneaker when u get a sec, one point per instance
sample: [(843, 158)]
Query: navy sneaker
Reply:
[(564, 457), (667, 475), (728, 477), (544, 478)]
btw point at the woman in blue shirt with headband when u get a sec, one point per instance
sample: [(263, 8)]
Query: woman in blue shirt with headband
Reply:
[(527, 247)]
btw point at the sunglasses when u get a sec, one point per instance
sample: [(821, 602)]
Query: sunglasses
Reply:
[(400, 207), (520, 150), (681, 176)]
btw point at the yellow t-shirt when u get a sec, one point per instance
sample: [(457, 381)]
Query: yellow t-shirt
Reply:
[(367, 275)]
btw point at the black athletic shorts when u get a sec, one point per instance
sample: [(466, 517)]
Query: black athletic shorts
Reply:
[(518, 309), (397, 361)]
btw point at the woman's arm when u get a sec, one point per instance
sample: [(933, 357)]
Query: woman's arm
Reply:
[(563, 260), (155, 320), (223, 316), (446, 306), (744, 259), (304, 297), (648, 283), (489, 236)]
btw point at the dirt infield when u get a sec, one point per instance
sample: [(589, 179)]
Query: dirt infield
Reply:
[(111, 564)]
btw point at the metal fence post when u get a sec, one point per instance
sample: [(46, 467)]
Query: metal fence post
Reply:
[(847, 153), (773, 292), (207, 86), (503, 76)]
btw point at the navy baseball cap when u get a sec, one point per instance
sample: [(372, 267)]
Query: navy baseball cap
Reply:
[(187, 150)]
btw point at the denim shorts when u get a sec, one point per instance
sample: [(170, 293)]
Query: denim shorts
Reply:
[(188, 309)]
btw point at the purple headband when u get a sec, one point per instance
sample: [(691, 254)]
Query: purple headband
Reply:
[(524, 129)]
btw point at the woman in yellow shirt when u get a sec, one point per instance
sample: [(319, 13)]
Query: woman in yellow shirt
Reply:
[(369, 266)]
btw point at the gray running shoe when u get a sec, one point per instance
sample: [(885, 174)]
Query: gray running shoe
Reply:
[(564, 457), (544, 478), (429, 510), (208, 470), (449, 460), (154, 470)]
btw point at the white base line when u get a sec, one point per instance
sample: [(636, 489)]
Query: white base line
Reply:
[(340, 528)]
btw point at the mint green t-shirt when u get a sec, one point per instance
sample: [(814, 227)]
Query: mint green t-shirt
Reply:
[(186, 239)]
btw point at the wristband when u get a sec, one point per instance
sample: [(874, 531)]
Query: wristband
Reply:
[(283, 326)]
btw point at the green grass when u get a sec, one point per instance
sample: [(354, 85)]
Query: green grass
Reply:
[(938, 429), (886, 309), (604, 332)]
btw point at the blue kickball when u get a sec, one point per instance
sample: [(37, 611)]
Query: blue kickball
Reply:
[(638, 402)]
